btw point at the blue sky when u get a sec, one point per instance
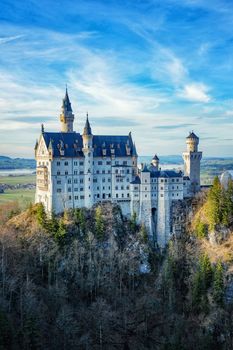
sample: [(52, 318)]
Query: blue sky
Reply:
[(157, 68)]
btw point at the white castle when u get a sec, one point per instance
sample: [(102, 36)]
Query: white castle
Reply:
[(75, 171)]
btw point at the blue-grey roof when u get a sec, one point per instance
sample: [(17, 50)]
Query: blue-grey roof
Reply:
[(166, 173), (192, 135), (87, 128), (72, 143), (66, 105), (136, 181), (145, 169)]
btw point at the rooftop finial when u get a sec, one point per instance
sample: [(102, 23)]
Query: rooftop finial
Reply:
[(42, 128)]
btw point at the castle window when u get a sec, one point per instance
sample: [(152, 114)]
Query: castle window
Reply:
[(97, 172), (161, 180), (127, 171), (161, 195), (135, 188), (127, 187), (95, 180), (117, 195), (99, 162), (109, 180), (177, 187), (116, 188), (122, 195), (103, 195), (59, 190), (145, 195), (66, 163), (116, 162), (173, 180), (177, 194), (66, 172), (82, 197), (103, 171), (103, 180), (145, 188), (103, 188), (109, 196), (127, 179), (116, 171), (69, 181), (58, 182), (173, 187), (165, 180), (75, 172), (81, 172), (161, 188), (128, 195), (81, 189), (172, 194), (76, 189), (108, 163), (58, 173), (145, 180), (76, 198), (109, 187), (75, 181), (69, 189), (109, 171), (98, 188), (81, 163), (98, 195), (125, 162), (58, 163), (177, 180), (75, 163), (70, 198)]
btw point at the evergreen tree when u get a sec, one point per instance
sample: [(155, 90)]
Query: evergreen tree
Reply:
[(41, 215), (201, 229), (133, 222), (99, 223), (218, 284), (214, 203)]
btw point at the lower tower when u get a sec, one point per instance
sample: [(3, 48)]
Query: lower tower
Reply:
[(192, 159)]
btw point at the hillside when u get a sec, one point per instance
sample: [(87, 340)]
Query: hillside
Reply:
[(16, 163), (91, 280)]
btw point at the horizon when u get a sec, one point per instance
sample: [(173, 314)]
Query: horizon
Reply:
[(157, 70)]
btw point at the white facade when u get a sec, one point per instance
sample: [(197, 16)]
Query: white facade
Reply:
[(75, 171)]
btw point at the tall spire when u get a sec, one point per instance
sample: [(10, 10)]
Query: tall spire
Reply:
[(87, 128), (66, 105), (66, 116)]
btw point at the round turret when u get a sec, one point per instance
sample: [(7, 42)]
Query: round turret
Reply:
[(155, 162), (192, 142)]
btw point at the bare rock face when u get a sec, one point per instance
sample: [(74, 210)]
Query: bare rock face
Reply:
[(219, 235)]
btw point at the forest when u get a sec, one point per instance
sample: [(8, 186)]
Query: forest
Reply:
[(91, 279)]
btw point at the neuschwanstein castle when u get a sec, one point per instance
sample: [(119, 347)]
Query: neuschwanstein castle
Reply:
[(75, 170)]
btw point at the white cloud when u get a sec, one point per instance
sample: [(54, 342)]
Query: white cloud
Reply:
[(196, 92)]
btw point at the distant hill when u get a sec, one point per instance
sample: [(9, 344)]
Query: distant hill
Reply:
[(16, 163)]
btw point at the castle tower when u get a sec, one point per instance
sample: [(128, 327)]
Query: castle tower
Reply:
[(145, 209), (192, 158), (155, 162), (88, 164), (66, 116), (135, 160)]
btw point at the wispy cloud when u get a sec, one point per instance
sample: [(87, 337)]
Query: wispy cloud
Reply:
[(4, 40)]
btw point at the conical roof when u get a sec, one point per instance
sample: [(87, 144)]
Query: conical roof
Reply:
[(66, 105), (192, 135), (87, 128)]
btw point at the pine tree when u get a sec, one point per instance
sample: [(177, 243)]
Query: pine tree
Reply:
[(218, 284), (214, 203), (99, 223), (41, 215)]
